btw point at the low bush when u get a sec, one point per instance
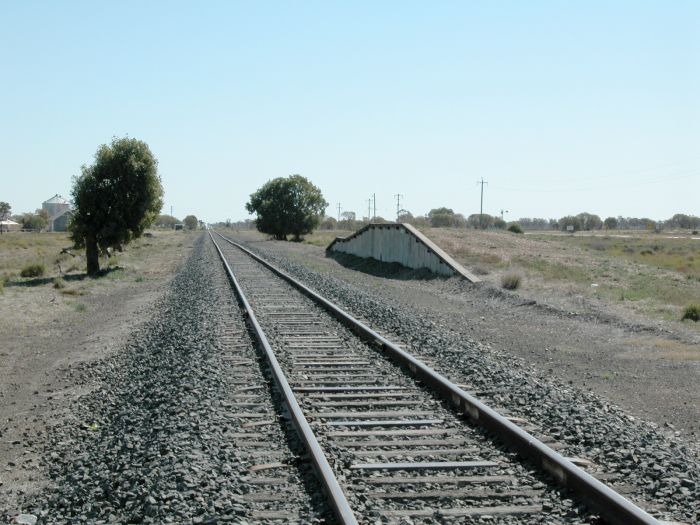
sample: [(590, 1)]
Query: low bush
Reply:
[(511, 281), (692, 312), (515, 228), (59, 283), (33, 270)]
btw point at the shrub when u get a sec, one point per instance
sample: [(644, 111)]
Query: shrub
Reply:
[(692, 312), (515, 228), (511, 281), (59, 283), (33, 270)]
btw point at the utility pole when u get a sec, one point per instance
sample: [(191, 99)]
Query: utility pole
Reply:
[(171, 210), (369, 210), (502, 212), (374, 199), (398, 205), (338, 212), (481, 209)]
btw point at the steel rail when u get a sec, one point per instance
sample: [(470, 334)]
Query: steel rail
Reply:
[(339, 503), (612, 506)]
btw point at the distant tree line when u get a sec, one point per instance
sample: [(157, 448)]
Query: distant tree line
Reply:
[(168, 221), (447, 218)]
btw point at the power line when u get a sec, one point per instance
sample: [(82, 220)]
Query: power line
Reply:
[(481, 210), (398, 205)]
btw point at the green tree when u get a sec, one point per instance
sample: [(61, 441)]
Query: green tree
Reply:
[(441, 217), (610, 223), (571, 220), (5, 212), (681, 220), (34, 221), (291, 205), (115, 199), (590, 221), (190, 222), (166, 221), (483, 221)]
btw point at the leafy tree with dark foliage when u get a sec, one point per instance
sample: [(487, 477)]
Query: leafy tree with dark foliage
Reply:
[(166, 221), (441, 217), (190, 222), (5, 210), (34, 221), (115, 199), (610, 223), (291, 205)]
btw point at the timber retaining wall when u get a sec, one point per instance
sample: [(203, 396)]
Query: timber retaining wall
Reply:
[(400, 243)]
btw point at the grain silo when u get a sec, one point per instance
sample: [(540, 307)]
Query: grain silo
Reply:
[(59, 210), (56, 206)]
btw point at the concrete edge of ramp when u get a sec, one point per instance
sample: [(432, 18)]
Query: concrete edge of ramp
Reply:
[(457, 268)]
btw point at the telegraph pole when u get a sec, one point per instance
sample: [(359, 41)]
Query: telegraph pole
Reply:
[(398, 205), (369, 210), (374, 200), (502, 212), (481, 210), (338, 211)]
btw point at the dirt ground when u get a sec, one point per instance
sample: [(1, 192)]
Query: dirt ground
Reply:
[(648, 366), (47, 333)]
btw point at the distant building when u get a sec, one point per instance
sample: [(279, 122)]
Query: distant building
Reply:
[(60, 223), (9, 226), (59, 210)]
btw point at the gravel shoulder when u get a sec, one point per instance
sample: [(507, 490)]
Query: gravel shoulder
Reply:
[(47, 336)]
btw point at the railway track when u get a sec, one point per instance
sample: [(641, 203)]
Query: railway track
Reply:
[(391, 443)]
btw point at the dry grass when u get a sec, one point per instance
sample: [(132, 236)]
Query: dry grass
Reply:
[(64, 296), (639, 273), (510, 281), (53, 253), (323, 238), (667, 349), (678, 254)]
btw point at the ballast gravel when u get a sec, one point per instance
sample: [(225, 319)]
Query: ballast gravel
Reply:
[(652, 466), (151, 443)]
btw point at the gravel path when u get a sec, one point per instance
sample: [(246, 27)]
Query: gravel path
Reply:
[(183, 428), (656, 469)]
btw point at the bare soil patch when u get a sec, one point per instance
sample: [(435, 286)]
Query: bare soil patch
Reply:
[(646, 364), (47, 333)]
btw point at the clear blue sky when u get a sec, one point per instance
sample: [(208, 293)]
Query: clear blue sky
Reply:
[(561, 106)]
